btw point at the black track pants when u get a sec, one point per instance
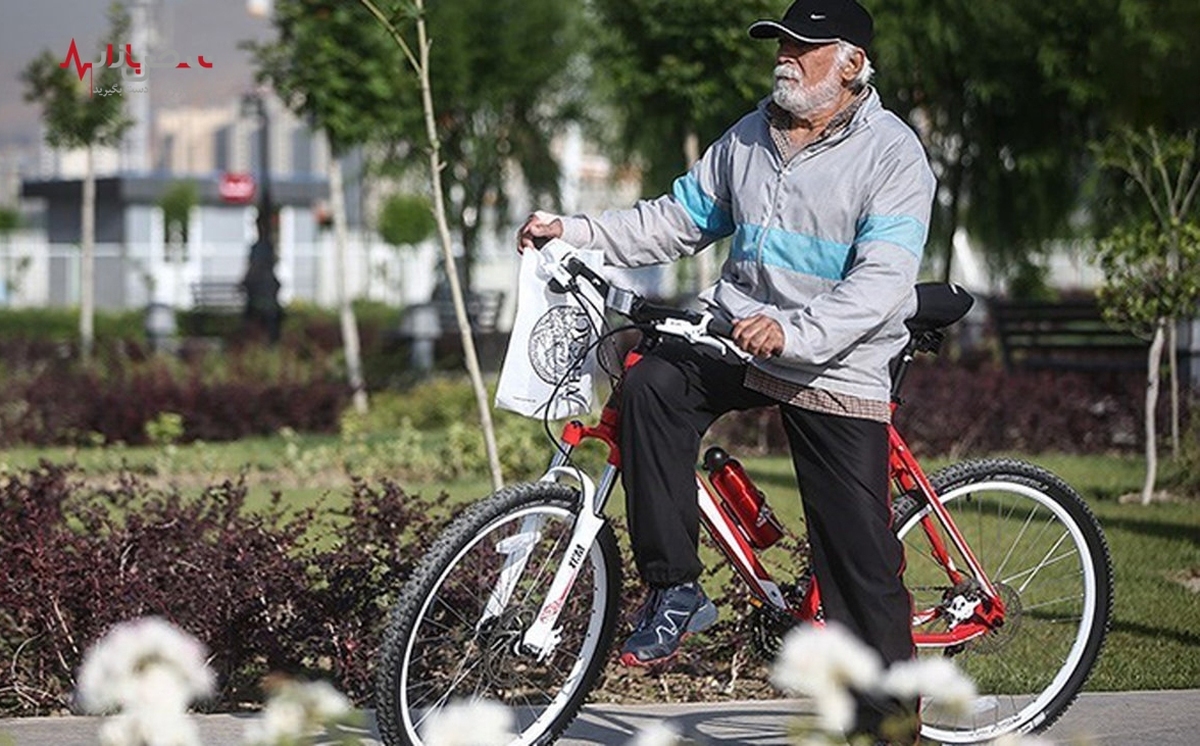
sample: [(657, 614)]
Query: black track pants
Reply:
[(671, 397)]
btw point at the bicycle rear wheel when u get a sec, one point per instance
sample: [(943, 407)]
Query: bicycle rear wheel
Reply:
[(448, 640), (1042, 548)]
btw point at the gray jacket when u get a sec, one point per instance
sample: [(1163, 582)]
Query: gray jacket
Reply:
[(828, 243)]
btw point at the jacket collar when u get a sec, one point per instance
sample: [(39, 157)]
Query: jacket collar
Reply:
[(849, 118)]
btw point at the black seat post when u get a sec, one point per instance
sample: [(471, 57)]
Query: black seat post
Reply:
[(939, 305), (900, 368)]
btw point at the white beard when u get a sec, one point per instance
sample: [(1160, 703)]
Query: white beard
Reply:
[(800, 100)]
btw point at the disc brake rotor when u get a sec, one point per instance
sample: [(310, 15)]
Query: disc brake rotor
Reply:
[(999, 637)]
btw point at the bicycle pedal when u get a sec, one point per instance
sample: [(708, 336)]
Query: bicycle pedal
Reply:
[(636, 667)]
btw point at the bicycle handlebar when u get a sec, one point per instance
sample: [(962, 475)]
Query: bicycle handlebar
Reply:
[(640, 311)]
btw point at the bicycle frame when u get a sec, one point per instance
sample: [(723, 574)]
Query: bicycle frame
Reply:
[(974, 610), (519, 598)]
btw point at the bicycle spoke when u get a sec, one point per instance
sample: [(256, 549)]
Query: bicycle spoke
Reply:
[(1034, 571), (1037, 540), (1022, 525), (457, 677), (451, 611), (452, 651), (1015, 542), (535, 583), (1052, 602), (439, 704)]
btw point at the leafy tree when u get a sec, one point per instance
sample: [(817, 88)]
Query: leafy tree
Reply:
[(74, 118), (406, 220), (677, 76), (10, 220), (335, 68), (177, 202), (1004, 97), (1152, 272), (503, 82), (1007, 96)]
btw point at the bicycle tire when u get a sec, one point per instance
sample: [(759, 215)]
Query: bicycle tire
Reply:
[(435, 651), (1029, 671)]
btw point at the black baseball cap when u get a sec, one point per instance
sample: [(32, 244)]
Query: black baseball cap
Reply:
[(820, 22)]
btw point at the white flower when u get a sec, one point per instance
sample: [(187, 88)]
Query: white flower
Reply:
[(657, 734), (296, 710), (470, 723), (144, 664), (148, 727), (825, 663), (936, 678)]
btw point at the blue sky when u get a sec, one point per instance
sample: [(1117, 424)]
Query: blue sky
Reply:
[(212, 28)]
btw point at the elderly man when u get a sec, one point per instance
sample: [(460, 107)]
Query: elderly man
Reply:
[(827, 197)]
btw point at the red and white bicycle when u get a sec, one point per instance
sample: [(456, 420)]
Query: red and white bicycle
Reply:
[(517, 600)]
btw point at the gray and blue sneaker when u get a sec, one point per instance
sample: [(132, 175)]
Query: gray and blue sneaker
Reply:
[(667, 618)]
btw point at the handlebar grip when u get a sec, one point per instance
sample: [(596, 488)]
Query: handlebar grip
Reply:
[(720, 328)]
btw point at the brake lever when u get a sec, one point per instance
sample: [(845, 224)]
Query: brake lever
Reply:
[(694, 332)]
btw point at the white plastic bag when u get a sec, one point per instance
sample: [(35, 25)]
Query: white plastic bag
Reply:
[(543, 371)]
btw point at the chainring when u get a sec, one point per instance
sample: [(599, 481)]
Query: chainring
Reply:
[(768, 625)]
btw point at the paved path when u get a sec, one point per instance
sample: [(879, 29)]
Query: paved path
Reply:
[(1169, 718)]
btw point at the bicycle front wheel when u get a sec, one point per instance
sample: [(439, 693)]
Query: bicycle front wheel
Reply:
[(456, 630), (1043, 550)]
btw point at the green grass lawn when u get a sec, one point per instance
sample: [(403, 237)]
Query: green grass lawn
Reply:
[(306, 469), (1155, 637)]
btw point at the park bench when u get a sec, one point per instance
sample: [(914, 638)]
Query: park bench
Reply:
[(217, 296), (483, 310), (436, 317), (431, 329), (1068, 334), (217, 308)]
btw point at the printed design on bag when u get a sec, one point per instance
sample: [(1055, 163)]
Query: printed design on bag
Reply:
[(558, 342)]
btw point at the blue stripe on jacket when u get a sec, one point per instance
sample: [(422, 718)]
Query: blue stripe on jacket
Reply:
[(904, 231), (793, 251), (821, 257), (704, 211)]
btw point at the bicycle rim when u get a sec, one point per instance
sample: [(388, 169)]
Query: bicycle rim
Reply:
[(1045, 554), (455, 650)]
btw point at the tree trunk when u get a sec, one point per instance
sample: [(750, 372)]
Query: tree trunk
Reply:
[(1154, 362), (87, 259), (705, 260), (420, 64), (439, 211), (1173, 367), (350, 341), (956, 179), (470, 238), (178, 253)]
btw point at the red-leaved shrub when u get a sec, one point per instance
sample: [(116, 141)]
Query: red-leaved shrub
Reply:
[(267, 591), (44, 401), (956, 409)]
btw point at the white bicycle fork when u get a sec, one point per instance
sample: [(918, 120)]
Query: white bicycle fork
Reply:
[(543, 635)]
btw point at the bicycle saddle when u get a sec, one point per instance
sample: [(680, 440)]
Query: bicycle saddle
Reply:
[(939, 304)]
